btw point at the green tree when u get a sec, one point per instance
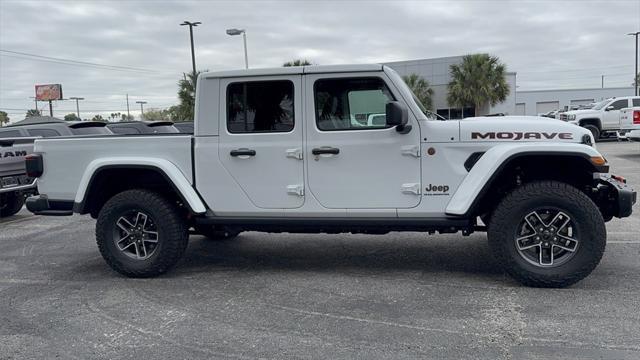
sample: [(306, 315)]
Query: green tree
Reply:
[(186, 96), (72, 117), (98, 118), (478, 80), (297, 62), (421, 89), (4, 118), (125, 117), (157, 115), (33, 112)]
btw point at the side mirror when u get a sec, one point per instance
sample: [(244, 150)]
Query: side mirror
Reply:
[(609, 108), (397, 115)]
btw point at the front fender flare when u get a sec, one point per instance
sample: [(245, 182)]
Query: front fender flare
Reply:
[(170, 170), (489, 166)]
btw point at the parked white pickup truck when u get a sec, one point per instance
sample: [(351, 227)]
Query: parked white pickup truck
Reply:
[(604, 117), (276, 150)]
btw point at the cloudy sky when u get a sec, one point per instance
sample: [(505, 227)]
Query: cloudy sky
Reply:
[(550, 44)]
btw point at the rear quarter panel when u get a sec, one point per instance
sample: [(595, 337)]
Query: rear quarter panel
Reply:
[(66, 160)]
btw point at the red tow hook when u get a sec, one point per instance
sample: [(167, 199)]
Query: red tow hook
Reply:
[(619, 178)]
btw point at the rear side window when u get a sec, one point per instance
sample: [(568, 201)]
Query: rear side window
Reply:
[(620, 104), (351, 104), (10, 133), (636, 102), (260, 106), (43, 132), (164, 129)]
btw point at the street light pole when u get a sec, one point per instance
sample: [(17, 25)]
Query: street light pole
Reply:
[(635, 74), (193, 53), (233, 32), (141, 108), (77, 106)]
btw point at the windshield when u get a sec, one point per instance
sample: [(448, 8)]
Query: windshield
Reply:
[(601, 104)]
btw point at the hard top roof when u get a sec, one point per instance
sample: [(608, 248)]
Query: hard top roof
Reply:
[(292, 70), (33, 120)]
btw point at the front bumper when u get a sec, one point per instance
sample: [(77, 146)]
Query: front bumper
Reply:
[(616, 198), (42, 205)]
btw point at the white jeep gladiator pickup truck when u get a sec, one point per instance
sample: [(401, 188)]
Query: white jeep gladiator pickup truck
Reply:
[(604, 117), (277, 150)]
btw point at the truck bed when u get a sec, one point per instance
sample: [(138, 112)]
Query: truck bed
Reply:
[(68, 159)]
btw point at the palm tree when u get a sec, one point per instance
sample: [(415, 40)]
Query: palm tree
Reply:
[(478, 80), (297, 62), (186, 95), (421, 89), (33, 112)]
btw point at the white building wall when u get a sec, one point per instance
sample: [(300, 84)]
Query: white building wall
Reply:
[(538, 99)]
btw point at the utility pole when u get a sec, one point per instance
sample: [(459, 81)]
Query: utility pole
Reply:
[(193, 54), (234, 32), (603, 81), (77, 106), (141, 108), (635, 74), (51, 108), (128, 115)]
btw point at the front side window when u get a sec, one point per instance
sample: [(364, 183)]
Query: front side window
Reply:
[(351, 104), (260, 106), (620, 104), (43, 132)]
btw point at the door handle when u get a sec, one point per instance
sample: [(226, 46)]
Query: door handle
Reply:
[(325, 150), (243, 152)]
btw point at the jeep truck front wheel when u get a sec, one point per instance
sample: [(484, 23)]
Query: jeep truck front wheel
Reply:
[(547, 234), (140, 233)]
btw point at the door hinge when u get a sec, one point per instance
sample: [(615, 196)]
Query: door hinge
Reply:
[(295, 190), (294, 153), (411, 188), (413, 150)]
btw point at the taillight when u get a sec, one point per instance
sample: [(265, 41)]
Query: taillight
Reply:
[(34, 165), (636, 117)]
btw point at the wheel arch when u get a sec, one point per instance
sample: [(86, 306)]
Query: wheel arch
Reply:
[(591, 121), (103, 179), (492, 176)]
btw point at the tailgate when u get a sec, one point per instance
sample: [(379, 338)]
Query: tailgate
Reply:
[(630, 118), (12, 153)]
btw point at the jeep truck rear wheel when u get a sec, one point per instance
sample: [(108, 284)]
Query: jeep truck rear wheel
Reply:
[(10, 203), (140, 233), (547, 234)]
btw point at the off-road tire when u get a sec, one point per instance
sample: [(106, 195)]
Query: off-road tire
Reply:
[(594, 131), (173, 235), (588, 221), (217, 233), (10, 204)]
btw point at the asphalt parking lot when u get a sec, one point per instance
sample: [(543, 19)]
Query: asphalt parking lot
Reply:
[(275, 296)]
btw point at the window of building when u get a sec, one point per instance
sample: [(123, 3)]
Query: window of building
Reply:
[(351, 104), (260, 106), (43, 132), (620, 104)]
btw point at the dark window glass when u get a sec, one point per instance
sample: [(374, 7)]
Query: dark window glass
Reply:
[(455, 113), (620, 104), (636, 102), (260, 106), (92, 130), (43, 132), (124, 130), (444, 113), (351, 104), (163, 129), (10, 134)]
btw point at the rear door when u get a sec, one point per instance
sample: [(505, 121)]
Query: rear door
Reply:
[(261, 138), (612, 114), (354, 160)]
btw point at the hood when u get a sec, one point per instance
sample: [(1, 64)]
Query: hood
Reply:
[(520, 128), (581, 112)]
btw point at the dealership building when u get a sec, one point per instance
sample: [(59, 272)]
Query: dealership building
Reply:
[(531, 102)]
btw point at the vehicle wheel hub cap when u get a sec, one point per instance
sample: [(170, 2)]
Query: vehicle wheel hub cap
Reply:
[(136, 235), (546, 238)]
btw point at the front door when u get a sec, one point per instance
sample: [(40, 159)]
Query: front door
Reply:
[(612, 114), (260, 141), (354, 159)]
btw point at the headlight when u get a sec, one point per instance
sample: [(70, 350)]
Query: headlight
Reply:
[(571, 117)]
